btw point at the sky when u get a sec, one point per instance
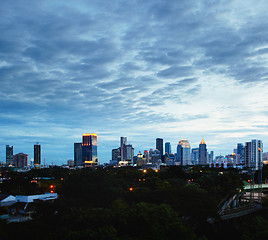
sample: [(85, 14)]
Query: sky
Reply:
[(141, 69)]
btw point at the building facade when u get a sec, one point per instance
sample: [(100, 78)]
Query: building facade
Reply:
[(116, 154), (9, 155), (167, 148), (184, 152), (89, 150), (78, 154), (253, 154), (203, 156), (194, 156), (159, 145), (20, 160), (37, 155)]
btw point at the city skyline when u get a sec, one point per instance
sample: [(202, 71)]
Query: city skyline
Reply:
[(144, 70)]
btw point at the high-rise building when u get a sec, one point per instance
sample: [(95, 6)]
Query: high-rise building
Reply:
[(168, 148), (194, 156), (211, 157), (123, 142), (78, 154), (9, 155), (116, 154), (37, 155), (159, 145), (20, 160), (155, 156), (202, 158), (184, 152), (253, 154), (240, 154), (89, 150), (128, 152)]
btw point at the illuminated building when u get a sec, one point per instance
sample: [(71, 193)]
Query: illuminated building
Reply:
[(20, 160), (202, 158), (167, 148), (159, 145), (184, 152), (37, 155), (89, 150), (78, 154), (9, 155), (253, 154)]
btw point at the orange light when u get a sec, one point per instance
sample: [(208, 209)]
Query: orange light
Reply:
[(89, 134), (89, 162), (156, 170), (259, 149), (51, 191), (131, 189), (144, 171), (51, 186)]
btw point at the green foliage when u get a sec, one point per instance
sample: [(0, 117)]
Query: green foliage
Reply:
[(173, 203)]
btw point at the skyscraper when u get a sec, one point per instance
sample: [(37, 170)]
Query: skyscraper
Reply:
[(167, 148), (37, 155), (159, 145), (195, 155), (184, 152), (116, 154), (253, 154), (211, 157), (128, 151), (89, 150), (202, 158), (9, 155), (240, 154), (78, 154), (123, 142)]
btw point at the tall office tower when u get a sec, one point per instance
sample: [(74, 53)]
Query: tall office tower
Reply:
[(253, 154), (240, 152), (159, 145), (116, 154), (20, 160), (128, 154), (194, 156), (78, 154), (9, 155), (37, 155), (211, 157), (202, 158), (167, 148), (89, 150), (123, 142), (184, 152)]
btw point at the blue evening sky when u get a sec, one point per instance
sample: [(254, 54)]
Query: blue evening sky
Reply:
[(142, 69)]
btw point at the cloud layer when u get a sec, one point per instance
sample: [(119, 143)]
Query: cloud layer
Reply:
[(171, 69)]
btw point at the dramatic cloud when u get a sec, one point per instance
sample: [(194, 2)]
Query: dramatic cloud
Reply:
[(141, 69)]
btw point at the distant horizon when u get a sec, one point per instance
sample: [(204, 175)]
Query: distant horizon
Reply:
[(50, 161)]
